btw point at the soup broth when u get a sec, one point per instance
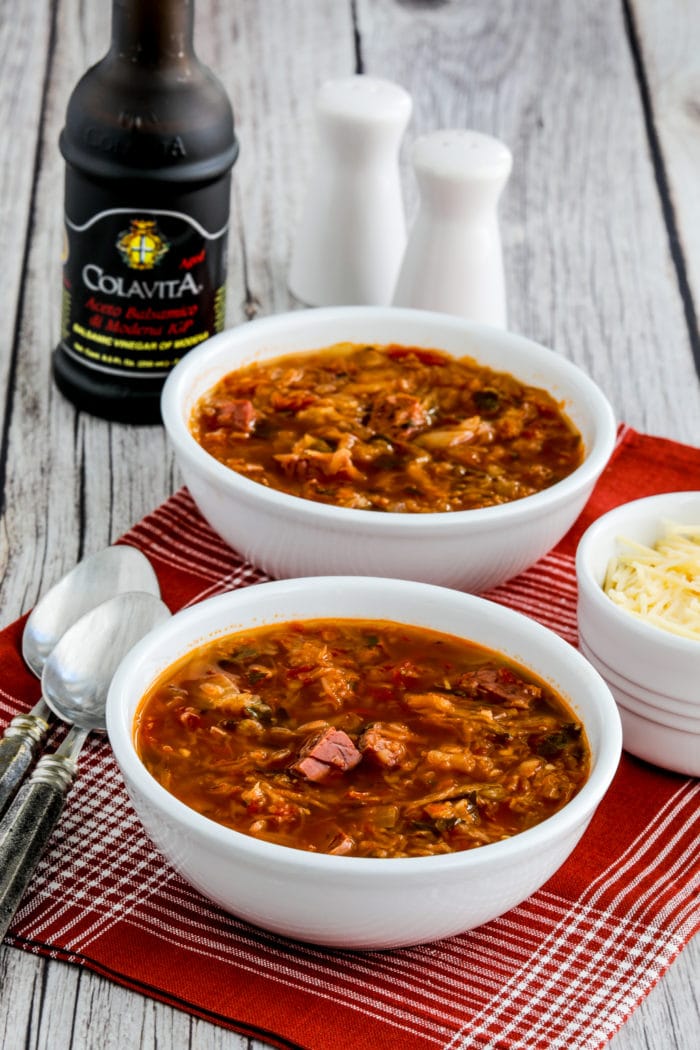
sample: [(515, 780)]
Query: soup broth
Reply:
[(387, 428), (362, 738)]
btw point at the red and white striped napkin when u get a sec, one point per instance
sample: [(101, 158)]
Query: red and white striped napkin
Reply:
[(563, 970)]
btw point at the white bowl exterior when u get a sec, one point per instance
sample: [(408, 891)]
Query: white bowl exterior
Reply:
[(659, 660), (362, 902), (288, 537), (689, 726), (662, 745), (329, 908), (636, 699), (655, 706), (285, 545)]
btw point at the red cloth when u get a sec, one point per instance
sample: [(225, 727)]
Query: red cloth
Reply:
[(564, 969)]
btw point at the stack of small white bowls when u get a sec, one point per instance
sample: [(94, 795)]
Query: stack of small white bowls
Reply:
[(653, 673)]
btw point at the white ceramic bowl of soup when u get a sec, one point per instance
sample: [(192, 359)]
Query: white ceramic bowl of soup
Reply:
[(362, 902), (288, 536)]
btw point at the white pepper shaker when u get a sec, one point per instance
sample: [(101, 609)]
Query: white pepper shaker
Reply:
[(453, 261), (352, 234)]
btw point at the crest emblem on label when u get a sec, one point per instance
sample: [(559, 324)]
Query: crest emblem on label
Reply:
[(142, 246)]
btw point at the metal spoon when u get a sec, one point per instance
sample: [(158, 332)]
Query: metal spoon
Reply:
[(93, 580), (75, 682)]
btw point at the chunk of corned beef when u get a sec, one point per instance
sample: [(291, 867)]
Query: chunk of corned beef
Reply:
[(382, 742), (500, 684), (237, 413), (325, 752)]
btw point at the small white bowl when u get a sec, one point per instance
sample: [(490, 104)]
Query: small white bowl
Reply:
[(356, 902), (659, 660), (288, 536)]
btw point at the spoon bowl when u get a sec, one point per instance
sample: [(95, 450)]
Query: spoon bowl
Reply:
[(95, 579), (77, 674), (92, 581), (76, 679)]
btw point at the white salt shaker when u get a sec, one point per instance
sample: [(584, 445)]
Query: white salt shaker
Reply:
[(352, 235), (453, 261)]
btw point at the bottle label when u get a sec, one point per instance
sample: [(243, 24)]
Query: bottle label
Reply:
[(141, 287)]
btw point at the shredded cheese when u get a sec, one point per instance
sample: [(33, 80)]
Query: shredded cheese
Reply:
[(661, 584)]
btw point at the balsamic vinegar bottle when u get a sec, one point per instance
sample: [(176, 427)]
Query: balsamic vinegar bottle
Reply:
[(149, 144)]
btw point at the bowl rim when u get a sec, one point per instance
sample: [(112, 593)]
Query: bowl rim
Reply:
[(283, 503), (576, 812), (649, 634)]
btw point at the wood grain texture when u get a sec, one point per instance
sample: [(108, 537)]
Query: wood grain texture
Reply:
[(23, 46), (590, 272), (667, 37), (24, 42)]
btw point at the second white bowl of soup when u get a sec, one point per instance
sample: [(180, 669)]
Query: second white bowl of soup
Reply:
[(292, 871), (412, 437)]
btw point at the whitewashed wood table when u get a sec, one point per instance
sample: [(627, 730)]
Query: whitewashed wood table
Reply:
[(600, 104)]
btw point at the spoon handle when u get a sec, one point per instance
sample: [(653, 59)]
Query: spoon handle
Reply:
[(18, 749), (27, 826)]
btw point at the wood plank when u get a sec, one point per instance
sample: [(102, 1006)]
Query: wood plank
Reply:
[(24, 37), (669, 45)]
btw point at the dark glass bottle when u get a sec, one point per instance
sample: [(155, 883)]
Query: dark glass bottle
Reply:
[(149, 144)]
